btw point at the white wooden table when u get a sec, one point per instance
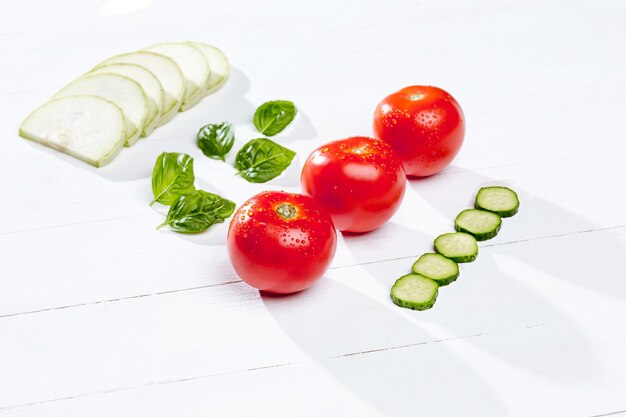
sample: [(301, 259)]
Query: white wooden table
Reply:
[(101, 315)]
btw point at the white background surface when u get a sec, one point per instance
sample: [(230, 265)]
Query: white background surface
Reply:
[(101, 315)]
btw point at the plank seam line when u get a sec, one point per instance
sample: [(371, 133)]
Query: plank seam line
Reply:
[(195, 378), (56, 226), (114, 300), (490, 245), (365, 352), (579, 232), (163, 382), (610, 414)]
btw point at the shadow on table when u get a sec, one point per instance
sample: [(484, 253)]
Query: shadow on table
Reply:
[(495, 301), (214, 236), (597, 246), (494, 288), (397, 382), (300, 129)]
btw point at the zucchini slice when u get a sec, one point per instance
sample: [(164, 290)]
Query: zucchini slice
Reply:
[(124, 92), (481, 224), (415, 292), (166, 70), (193, 65), (89, 128), (460, 247), (499, 200), (437, 267), (218, 62), (148, 82)]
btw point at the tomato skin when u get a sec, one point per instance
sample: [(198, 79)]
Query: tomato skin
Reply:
[(359, 181), (424, 125), (277, 254)]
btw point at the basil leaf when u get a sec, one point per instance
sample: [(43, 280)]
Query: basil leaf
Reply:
[(215, 140), (272, 117), (172, 177), (196, 212), (260, 160)]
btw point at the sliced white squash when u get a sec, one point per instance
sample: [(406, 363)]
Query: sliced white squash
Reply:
[(89, 128), (194, 66), (123, 91), (220, 67), (151, 87), (166, 70)]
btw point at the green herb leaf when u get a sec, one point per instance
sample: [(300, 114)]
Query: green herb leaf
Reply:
[(272, 117), (196, 212), (215, 140), (260, 160), (172, 177)]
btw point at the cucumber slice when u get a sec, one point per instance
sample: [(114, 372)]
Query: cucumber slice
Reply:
[(220, 67), (499, 200), (89, 128), (148, 82), (126, 93), (166, 70), (460, 247), (415, 292), (194, 66), (437, 267), (483, 225)]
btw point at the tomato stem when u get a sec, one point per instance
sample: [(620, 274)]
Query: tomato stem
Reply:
[(286, 211)]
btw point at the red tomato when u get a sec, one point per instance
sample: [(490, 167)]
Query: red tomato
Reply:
[(359, 181), (424, 125), (281, 242)]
